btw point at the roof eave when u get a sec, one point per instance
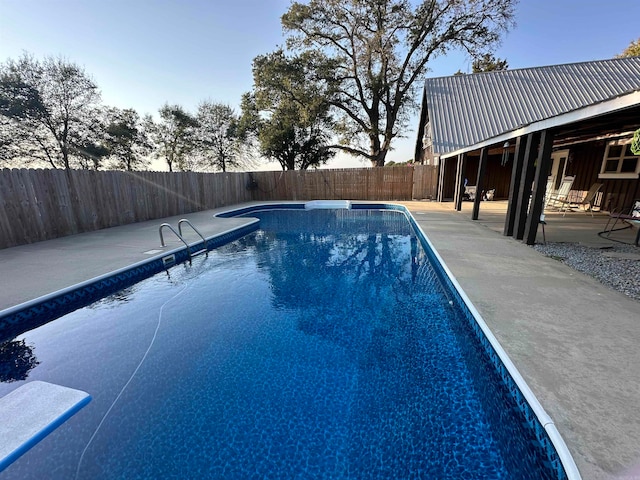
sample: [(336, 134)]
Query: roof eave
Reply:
[(602, 108)]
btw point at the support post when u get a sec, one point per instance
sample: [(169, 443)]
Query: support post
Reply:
[(537, 199), (514, 187), (457, 195), (525, 185), (441, 167), (482, 167)]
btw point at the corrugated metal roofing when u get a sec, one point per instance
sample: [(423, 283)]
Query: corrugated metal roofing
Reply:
[(467, 109)]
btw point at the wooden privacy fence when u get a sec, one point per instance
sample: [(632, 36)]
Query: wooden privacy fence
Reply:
[(44, 204), (425, 182), (390, 183)]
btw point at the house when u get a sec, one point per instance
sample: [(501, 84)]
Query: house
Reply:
[(511, 130)]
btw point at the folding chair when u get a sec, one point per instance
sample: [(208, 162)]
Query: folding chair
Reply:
[(588, 199), (632, 219), (548, 191), (562, 194)]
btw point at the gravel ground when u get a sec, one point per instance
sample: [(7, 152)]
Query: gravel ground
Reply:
[(605, 264)]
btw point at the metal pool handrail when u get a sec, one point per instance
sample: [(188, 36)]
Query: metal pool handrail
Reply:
[(179, 235), (174, 231), (184, 220)]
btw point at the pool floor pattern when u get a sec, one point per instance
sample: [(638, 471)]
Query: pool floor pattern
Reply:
[(290, 353)]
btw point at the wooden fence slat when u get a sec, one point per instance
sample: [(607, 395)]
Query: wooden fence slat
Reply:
[(43, 204)]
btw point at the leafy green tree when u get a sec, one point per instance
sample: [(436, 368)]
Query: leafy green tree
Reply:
[(50, 106), (174, 137), (488, 63), (220, 138), (635, 142), (89, 145), (127, 141), (371, 54), (288, 113), (633, 50), (392, 163), (294, 147)]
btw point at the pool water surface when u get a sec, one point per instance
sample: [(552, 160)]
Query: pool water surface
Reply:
[(322, 345)]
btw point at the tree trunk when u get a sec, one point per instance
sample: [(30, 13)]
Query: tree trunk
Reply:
[(377, 158), (378, 152)]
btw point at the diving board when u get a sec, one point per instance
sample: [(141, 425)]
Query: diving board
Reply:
[(33, 411), (344, 204)]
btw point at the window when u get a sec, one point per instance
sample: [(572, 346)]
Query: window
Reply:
[(427, 140), (619, 161)]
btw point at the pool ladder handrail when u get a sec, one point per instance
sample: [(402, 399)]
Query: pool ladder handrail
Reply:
[(181, 238), (204, 240)]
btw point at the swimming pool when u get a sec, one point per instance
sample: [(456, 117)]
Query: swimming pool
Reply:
[(326, 344)]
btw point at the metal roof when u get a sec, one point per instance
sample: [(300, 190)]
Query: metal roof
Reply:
[(467, 109)]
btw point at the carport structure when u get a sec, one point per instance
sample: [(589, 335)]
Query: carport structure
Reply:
[(516, 130)]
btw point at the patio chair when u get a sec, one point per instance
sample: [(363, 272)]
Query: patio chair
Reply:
[(469, 192), (588, 199), (548, 190), (631, 219), (561, 195)]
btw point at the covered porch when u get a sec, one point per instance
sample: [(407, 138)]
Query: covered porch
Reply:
[(576, 143), (560, 227)]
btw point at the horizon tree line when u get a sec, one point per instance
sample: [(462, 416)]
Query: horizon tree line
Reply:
[(347, 80), (51, 115)]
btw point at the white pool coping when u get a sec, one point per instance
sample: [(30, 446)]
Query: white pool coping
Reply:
[(545, 420)]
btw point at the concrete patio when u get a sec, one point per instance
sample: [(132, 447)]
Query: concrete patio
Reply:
[(574, 340)]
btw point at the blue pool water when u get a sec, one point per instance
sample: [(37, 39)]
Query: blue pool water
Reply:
[(321, 346)]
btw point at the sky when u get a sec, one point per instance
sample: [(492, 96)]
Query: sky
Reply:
[(143, 54)]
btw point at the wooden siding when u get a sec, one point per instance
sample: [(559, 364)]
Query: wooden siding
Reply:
[(449, 180), (585, 164), (39, 205), (496, 176)]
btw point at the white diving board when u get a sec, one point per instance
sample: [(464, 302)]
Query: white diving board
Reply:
[(33, 411), (345, 204)]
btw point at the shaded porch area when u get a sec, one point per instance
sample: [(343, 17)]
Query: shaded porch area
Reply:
[(570, 226), (590, 145)]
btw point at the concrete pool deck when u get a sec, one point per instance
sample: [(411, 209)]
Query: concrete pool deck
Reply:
[(574, 340)]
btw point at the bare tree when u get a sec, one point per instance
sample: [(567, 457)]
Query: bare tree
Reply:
[(51, 106)]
